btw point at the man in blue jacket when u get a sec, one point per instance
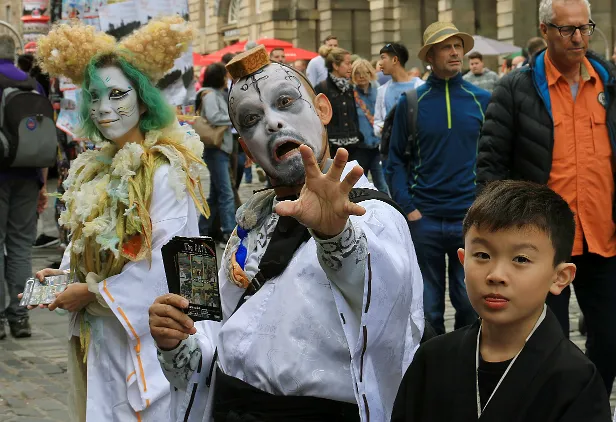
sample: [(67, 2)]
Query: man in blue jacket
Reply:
[(435, 185)]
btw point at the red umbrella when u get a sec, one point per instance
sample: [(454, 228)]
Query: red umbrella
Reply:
[(294, 53), (271, 43)]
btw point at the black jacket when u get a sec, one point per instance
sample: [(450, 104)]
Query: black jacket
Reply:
[(550, 381), (518, 134), (344, 123)]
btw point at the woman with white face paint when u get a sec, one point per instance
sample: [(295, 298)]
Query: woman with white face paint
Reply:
[(124, 201)]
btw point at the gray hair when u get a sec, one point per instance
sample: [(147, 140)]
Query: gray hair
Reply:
[(7, 47), (250, 45), (546, 11)]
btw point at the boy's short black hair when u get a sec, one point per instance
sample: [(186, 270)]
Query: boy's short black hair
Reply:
[(515, 204), (398, 50)]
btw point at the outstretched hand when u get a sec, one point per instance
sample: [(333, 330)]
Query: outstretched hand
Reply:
[(323, 203)]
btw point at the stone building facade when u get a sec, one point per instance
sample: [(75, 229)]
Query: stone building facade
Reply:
[(364, 26), (10, 12)]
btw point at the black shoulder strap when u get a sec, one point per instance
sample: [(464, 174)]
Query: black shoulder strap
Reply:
[(413, 103), (363, 194), (290, 235)]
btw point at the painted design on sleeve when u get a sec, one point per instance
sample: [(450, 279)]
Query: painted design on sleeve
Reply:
[(184, 362), (332, 252)]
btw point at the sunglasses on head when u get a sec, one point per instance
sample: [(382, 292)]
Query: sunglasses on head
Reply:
[(392, 48)]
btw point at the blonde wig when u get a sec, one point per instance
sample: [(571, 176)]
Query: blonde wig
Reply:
[(69, 48)]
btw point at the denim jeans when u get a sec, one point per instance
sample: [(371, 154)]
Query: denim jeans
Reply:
[(18, 199), (595, 289), (242, 171), (434, 238), (370, 160), (220, 199)]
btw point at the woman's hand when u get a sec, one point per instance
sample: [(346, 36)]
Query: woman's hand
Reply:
[(41, 277), (168, 324), (74, 298)]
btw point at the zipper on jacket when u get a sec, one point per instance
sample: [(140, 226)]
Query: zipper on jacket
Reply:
[(448, 104)]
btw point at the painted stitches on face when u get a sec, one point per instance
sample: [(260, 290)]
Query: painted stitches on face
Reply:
[(273, 113)]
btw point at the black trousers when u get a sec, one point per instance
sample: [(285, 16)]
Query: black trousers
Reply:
[(595, 289)]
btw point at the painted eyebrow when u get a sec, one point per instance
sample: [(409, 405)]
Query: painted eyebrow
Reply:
[(481, 241)]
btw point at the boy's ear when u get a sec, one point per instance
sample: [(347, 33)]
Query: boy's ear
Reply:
[(565, 273), (461, 255)]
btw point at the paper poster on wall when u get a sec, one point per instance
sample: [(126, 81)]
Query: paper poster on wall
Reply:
[(73, 9), (119, 17), (68, 118)]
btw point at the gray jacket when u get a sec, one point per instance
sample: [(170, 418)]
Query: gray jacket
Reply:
[(215, 109)]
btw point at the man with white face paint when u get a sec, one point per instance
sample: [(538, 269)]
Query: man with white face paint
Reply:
[(322, 307)]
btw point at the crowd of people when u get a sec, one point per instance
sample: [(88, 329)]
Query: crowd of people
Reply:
[(381, 185)]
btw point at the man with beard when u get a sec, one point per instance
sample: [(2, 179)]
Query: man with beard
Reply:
[(321, 297)]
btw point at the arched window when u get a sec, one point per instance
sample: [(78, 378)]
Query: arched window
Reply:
[(234, 11)]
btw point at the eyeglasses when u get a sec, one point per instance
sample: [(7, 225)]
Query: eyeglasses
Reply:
[(569, 30)]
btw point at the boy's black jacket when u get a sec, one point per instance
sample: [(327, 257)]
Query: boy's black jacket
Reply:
[(551, 380)]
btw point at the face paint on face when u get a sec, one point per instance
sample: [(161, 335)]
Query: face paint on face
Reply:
[(115, 106), (274, 114)]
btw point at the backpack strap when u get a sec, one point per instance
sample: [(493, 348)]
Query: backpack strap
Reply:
[(364, 194), (413, 104), (28, 84), (289, 235)]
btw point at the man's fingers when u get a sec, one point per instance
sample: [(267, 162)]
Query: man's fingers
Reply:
[(354, 209), (351, 179), (168, 333), (287, 208), (173, 300), (310, 162), (172, 312), (52, 306), (166, 322), (340, 159)]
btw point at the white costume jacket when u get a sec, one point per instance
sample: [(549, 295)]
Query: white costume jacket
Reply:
[(342, 321)]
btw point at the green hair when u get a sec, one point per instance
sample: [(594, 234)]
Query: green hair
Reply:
[(158, 113)]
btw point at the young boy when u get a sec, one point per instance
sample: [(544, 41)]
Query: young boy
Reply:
[(513, 364)]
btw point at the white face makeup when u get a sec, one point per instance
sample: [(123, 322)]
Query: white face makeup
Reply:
[(274, 114), (115, 105)]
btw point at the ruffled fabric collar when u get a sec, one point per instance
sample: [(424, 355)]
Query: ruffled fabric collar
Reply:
[(98, 185)]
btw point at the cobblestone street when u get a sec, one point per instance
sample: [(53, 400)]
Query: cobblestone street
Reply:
[(33, 379)]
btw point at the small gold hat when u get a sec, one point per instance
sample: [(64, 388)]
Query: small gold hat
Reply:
[(248, 62)]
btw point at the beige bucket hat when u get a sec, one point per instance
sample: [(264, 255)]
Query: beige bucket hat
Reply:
[(440, 31)]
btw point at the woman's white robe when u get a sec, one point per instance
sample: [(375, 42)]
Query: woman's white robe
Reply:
[(124, 379)]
